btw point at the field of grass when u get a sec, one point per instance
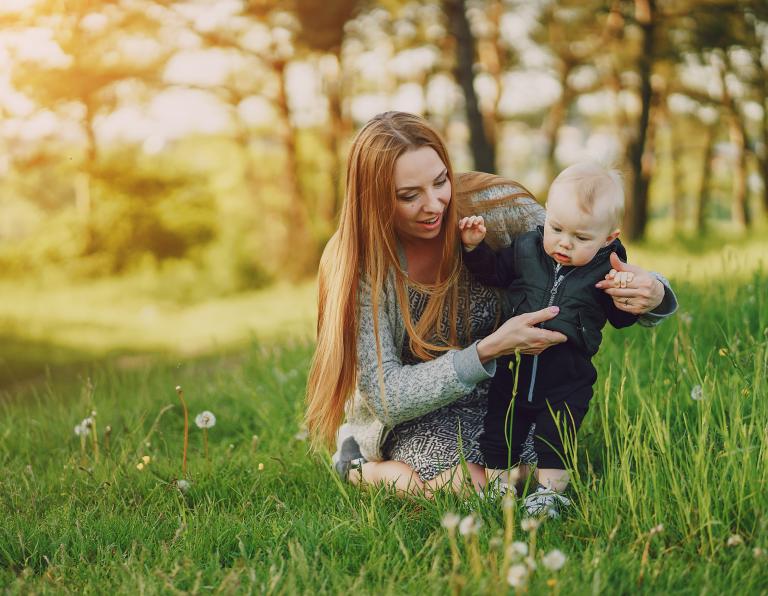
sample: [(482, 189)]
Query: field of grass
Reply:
[(670, 492)]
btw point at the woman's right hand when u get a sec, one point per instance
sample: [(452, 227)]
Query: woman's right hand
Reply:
[(521, 334)]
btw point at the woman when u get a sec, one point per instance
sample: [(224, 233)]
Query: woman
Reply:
[(406, 339)]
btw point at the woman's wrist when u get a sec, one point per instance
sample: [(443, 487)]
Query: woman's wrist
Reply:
[(486, 349)]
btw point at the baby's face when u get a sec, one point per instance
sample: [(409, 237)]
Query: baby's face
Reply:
[(572, 237)]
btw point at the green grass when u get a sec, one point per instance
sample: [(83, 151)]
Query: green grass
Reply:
[(647, 454)]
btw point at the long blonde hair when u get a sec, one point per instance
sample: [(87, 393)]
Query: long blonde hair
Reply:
[(364, 249)]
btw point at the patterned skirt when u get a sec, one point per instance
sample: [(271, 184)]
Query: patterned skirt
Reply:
[(440, 439)]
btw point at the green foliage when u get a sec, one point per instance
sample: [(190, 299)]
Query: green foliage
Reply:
[(155, 213)]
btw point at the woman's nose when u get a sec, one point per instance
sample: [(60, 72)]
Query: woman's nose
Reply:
[(433, 203)]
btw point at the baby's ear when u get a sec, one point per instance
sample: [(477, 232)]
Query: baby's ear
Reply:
[(612, 236)]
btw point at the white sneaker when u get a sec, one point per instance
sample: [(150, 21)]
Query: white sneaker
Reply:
[(545, 501)]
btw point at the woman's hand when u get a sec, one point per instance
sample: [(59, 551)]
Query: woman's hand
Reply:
[(521, 334), (641, 294)]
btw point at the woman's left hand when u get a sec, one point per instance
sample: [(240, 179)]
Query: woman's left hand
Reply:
[(641, 294)]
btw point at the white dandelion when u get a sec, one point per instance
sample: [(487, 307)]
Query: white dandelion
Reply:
[(469, 525), (517, 549), (517, 575), (450, 521), (697, 393), (529, 524), (554, 560), (183, 486), (205, 419), (735, 540)]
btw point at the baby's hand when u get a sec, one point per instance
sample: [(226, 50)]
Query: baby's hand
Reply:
[(472, 231), (620, 279)]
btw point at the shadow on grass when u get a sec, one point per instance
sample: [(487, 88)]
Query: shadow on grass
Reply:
[(25, 361)]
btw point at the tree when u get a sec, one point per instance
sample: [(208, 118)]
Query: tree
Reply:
[(483, 151), (82, 83)]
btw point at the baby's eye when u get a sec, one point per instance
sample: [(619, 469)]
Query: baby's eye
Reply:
[(582, 238), (555, 229)]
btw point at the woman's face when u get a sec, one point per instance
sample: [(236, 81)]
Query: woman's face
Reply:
[(423, 194)]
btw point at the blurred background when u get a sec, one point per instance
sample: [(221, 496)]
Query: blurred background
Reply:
[(171, 170)]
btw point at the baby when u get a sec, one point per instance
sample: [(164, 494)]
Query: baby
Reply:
[(558, 265)]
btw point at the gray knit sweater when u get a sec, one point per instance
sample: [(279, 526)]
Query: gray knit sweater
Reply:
[(411, 391)]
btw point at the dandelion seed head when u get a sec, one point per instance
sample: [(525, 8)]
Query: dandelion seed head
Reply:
[(108, 429), (658, 529), (93, 413), (517, 575), (205, 419), (450, 521), (529, 524), (261, 467), (697, 393), (178, 388), (469, 525), (517, 550), (183, 485), (735, 540), (495, 542), (554, 560), (80, 430), (530, 562)]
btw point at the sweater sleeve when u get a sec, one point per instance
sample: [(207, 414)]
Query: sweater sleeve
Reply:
[(409, 391), (666, 309)]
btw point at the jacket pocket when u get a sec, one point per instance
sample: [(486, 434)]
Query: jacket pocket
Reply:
[(590, 337)]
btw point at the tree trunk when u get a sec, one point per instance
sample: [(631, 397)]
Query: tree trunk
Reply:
[(738, 136), (300, 255), (678, 180), (555, 120), (336, 132), (483, 152), (703, 200), (636, 216)]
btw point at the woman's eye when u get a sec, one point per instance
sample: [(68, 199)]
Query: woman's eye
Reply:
[(440, 183), (408, 198)]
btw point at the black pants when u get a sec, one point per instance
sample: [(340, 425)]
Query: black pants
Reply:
[(556, 422)]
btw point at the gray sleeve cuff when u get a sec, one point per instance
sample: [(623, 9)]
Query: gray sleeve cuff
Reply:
[(469, 369), (667, 307)]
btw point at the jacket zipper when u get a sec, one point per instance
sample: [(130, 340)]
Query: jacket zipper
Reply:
[(552, 294)]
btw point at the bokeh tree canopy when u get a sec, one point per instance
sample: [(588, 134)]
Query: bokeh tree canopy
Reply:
[(138, 133)]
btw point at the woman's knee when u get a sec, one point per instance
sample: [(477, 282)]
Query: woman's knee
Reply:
[(457, 479)]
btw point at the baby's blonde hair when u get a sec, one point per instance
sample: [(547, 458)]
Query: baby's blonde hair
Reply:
[(590, 181)]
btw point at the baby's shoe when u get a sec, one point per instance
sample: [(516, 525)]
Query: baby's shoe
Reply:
[(545, 501), (347, 454)]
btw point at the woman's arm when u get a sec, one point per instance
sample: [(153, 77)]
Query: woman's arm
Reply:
[(409, 391)]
